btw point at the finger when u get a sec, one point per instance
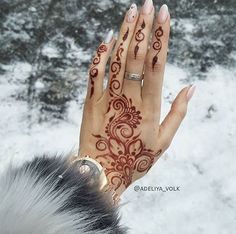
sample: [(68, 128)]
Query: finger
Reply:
[(98, 67), (138, 48), (172, 121), (155, 63), (119, 55)]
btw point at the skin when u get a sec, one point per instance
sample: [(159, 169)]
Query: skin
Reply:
[(121, 126)]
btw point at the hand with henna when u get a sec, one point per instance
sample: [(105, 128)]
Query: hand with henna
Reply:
[(121, 126)]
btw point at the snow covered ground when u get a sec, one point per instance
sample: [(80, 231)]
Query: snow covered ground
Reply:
[(201, 160)]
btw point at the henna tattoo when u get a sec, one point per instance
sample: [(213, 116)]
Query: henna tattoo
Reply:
[(123, 150), (116, 67), (157, 45), (93, 73), (139, 37)]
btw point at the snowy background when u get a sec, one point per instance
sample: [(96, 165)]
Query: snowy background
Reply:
[(45, 50)]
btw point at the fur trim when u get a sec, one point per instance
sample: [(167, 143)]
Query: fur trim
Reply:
[(34, 199)]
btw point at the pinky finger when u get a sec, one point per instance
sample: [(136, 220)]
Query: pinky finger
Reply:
[(172, 121), (98, 67)]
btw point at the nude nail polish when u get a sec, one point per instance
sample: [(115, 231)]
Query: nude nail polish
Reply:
[(163, 14), (132, 13), (190, 92), (108, 37), (147, 7)]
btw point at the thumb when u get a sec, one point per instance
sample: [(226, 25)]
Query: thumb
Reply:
[(173, 119)]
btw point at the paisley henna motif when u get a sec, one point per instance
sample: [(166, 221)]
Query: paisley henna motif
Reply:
[(157, 45), (139, 37), (122, 151), (93, 73)]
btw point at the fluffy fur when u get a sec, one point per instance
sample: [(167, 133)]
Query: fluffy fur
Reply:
[(34, 199)]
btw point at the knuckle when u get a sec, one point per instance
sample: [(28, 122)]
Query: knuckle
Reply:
[(101, 68), (139, 56), (166, 144), (140, 24), (149, 94), (148, 115), (152, 66), (144, 24), (179, 110), (88, 107)]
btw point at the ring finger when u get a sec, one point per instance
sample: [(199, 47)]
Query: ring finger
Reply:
[(138, 49), (117, 67)]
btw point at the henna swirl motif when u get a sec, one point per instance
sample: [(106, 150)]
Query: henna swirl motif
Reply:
[(139, 37), (93, 73), (116, 67), (123, 152), (157, 45)]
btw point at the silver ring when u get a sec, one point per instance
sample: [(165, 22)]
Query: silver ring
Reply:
[(133, 76)]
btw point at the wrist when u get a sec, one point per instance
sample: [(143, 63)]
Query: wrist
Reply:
[(88, 166)]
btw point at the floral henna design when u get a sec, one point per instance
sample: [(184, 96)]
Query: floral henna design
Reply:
[(139, 37), (123, 152), (116, 67), (93, 70), (157, 45)]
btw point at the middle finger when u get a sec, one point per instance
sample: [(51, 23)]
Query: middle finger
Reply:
[(138, 48)]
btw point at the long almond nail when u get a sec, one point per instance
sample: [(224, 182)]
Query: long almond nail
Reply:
[(163, 14), (108, 37), (147, 7), (132, 13), (190, 92)]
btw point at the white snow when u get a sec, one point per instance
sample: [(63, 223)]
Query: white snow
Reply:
[(50, 51)]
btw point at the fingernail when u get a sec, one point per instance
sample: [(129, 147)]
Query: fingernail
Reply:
[(190, 92), (132, 13), (108, 37), (147, 7), (163, 14)]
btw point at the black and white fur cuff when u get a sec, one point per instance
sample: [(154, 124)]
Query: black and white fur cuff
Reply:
[(35, 199)]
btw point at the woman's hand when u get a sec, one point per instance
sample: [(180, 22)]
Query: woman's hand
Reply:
[(120, 127)]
